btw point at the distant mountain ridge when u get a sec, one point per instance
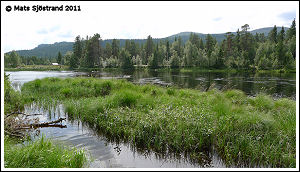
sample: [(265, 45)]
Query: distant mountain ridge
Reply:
[(51, 50)]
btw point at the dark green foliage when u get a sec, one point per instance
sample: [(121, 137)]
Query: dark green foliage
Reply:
[(12, 60), (242, 50), (92, 52), (175, 63), (51, 50), (209, 45), (273, 35), (77, 53), (13, 100), (154, 59), (115, 47), (59, 58), (292, 30), (149, 47), (126, 61)]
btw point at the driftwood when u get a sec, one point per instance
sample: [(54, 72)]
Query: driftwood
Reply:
[(13, 113), (55, 125), (48, 124), (15, 134), (14, 126), (20, 113), (30, 126)]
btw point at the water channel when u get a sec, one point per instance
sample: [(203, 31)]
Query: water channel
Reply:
[(105, 153)]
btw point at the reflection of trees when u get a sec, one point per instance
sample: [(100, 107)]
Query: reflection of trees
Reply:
[(138, 74), (247, 87), (247, 82), (127, 72), (278, 87), (153, 73)]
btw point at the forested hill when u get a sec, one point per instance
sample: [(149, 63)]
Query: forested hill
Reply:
[(51, 50)]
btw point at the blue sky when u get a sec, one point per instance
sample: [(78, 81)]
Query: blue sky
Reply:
[(288, 16), (137, 20)]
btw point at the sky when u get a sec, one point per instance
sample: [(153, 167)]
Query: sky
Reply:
[(136, 20)]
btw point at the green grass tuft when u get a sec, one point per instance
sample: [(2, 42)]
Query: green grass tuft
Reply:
[(244, 130), (42, 153)]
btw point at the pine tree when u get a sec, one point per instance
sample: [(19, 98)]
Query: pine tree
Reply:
[(209, 46), (153, 60), (126, 61), (148, 48), (115, 48), (133, 50), (168, 53), (92, 51), (273, 35), (281, 35), (59, 58), (292, 30), (108, 51), (77, 53)]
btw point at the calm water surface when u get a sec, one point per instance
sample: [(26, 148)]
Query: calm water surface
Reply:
[(106, 153)]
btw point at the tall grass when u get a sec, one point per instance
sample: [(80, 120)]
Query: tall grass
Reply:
[(245, 131), (38, 154), (13, 100), (42, 153)]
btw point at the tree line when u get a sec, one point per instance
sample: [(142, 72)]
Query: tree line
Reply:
[(14, 60), (241, 50)]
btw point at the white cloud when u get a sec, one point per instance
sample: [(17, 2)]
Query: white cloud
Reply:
[(26, 30)]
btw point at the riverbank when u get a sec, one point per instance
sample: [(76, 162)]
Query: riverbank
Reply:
[(39, 68), (20, 151), (183, 70), (245, 131)]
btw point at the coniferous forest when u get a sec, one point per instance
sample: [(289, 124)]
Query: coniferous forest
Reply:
[(201, 117), (240, 50)]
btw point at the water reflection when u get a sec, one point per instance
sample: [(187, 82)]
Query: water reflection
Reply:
[(276, 84), (111, 153), (108, 152)]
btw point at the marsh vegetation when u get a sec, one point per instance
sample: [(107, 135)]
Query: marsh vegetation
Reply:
[(256, 131), (20, 151)]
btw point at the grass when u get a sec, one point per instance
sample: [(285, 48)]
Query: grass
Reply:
[(277, 71), (42, 153), (244, 130), (195, 69), (13, 100), (227, 70), (39, 68)]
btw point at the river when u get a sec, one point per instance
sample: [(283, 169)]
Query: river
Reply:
[(106, 153)]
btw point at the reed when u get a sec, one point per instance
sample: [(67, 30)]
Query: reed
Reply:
[(246, 131), (41, 153)]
